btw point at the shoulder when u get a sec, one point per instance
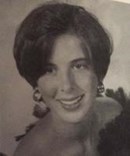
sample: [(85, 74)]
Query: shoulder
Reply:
[(33, 142), (29, 144), (106, 109)]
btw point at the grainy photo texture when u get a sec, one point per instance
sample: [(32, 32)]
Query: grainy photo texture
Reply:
[(65, 88)]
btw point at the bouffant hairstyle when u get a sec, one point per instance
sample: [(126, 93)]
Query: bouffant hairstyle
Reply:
[(36, 35)]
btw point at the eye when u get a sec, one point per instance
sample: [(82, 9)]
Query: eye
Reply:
[(50, 70), (80, 66)]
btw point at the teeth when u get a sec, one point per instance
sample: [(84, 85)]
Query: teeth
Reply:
[(70, 107), (71, 102)]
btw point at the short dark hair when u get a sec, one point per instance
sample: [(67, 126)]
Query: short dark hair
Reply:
[(36, 35)]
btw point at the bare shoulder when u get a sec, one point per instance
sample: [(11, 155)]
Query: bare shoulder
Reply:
[(26, 143), (33, 142), (106, 109)]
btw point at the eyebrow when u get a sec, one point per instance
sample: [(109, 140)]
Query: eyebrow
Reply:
[(80, 59), (50, 64), (87, 60)]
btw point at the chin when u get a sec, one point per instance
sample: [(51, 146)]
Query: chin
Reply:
[(74, 117)]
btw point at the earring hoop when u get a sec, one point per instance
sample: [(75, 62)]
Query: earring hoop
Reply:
[(37, 95), (100, 88), (40, 108)]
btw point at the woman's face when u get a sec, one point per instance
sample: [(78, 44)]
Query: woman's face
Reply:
[(69, 85)]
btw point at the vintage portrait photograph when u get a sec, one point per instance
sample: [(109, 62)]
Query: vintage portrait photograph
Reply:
[(65, 78)]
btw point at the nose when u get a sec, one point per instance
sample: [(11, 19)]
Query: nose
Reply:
[(66, 82)]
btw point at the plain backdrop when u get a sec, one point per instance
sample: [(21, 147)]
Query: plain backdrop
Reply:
[(16, 102)]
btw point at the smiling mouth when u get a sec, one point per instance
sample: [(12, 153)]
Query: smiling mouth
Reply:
[(70, 104)]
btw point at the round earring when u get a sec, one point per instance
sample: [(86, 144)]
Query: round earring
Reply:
[(100, 88), (40, 108), (37, 96)]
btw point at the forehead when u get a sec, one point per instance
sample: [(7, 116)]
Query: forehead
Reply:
[(67, 47)]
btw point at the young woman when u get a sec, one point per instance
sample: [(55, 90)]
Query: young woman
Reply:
[(64, 53)]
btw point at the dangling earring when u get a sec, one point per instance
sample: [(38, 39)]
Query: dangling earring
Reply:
[(40, 108), (37, 96), (100, 88)]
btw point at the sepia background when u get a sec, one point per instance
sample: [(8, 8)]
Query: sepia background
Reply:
[(16, 102)]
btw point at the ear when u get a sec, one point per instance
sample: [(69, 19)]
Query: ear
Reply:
[(37, 88), (100, 79)]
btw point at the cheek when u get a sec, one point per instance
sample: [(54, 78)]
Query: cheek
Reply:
[(87, 82), (47, 87)]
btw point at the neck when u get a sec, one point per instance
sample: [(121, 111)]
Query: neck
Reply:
[(80, 130)]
